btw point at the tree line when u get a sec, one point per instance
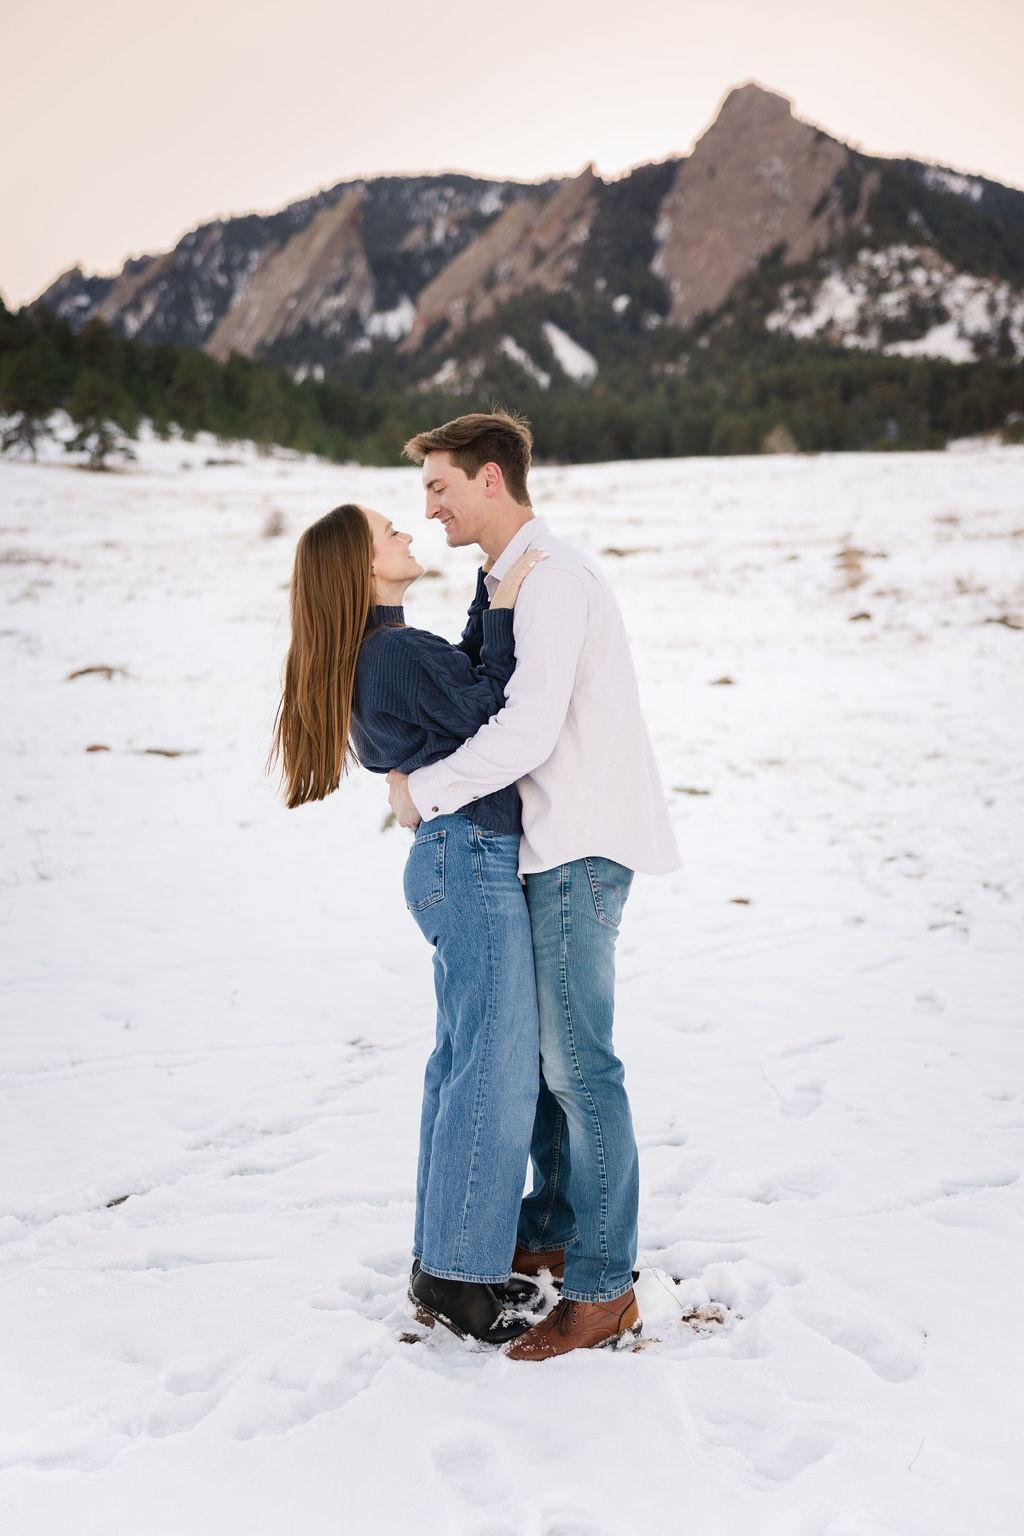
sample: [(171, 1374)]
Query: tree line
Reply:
[(738, 393)]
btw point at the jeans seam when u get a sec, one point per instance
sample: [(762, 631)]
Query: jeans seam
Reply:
[(488, 1024), (564, 978)]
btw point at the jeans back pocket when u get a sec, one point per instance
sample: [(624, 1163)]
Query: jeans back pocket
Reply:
[(423, 880), (610, 884)]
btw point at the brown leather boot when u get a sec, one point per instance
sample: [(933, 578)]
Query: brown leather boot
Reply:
[(526, 1263), (579, 1325)]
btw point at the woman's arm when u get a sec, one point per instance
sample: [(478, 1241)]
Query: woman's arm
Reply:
[(448, 692), (473, 634)]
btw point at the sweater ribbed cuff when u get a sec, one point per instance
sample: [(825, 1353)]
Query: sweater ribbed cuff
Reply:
[(499, 632)]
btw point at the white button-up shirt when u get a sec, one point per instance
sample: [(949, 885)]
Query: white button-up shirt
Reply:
[(571, 735)]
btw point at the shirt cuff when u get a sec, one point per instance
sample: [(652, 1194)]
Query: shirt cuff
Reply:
[(424, 785)]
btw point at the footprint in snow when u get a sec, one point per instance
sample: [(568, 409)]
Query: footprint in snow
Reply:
[(672, 1137), (891, 1357), (472, 1467), (759, 1444), (796, 1182), (566, 1521), (804, 1047), (972, 1183)]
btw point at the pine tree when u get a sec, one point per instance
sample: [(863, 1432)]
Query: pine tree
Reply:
[(105, 417), (191, 396), (266, 411), (28, 393)]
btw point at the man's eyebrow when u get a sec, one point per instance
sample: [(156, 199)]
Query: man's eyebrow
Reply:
[(431, 483)]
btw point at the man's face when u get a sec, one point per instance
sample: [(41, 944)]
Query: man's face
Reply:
[(460, 504)]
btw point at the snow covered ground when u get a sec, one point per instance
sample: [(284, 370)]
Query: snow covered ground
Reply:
[(216, 1014)]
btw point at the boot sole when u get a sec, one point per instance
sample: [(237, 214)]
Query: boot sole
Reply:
[(428, 1319)]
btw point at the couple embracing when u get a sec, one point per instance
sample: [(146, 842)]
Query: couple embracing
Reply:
[(520, 758)]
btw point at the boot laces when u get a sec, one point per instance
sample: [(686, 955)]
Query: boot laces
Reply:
[(566, 1315)]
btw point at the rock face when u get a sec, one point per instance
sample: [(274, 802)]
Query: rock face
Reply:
[(453, 281), (757, 180), (321, 278), (535, 244), (321, 257)]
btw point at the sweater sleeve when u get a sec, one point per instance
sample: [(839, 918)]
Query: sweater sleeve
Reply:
[(448, 692), (473, 634), (551, 624)]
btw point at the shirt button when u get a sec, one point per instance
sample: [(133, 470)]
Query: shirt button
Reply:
[(435, 807)]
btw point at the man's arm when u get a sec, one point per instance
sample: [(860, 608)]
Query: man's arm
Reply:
[(550, 625)]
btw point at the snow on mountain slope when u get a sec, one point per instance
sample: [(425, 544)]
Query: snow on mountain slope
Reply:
[(906, 301)]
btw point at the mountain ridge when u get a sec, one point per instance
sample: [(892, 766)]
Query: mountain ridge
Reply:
[(452, 280)]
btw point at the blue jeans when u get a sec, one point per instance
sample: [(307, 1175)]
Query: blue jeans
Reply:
[(480, 1086), (585, 1192)]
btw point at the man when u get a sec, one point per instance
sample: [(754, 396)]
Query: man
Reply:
[(572, 737)]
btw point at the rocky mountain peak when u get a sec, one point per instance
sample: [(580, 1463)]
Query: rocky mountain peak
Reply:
[(320, 278), (749, 107), (536, 243), (759, 180)]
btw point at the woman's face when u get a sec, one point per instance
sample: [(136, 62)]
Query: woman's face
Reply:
[(393, 559)]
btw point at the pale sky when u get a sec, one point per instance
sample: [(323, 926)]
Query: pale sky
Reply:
[(123, 126)]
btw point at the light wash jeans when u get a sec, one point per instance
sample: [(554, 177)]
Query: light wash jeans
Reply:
[(481, 1081), (585, 1192)]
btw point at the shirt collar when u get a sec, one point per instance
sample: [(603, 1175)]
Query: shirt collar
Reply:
[(384, 613), (523, 539)]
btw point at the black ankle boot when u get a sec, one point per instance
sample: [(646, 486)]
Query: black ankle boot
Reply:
[(468, 1308), (516, 1291)]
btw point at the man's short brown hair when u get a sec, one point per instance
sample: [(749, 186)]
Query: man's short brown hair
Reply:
[(483, 437)]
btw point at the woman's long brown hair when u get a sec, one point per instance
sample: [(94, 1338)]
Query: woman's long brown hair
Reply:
[(331, 598)]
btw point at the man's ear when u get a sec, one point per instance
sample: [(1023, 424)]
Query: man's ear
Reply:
[(493, 479)]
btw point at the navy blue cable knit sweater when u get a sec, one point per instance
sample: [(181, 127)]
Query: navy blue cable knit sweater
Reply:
[(418, 697)]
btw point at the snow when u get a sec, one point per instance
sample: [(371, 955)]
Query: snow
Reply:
[(573, 359), (662, 230), (311, 371), (620, 302), (393, 323), (952, 181), (219, 1009), (944, 340), (850, 302), (492, 201), (518, 354)]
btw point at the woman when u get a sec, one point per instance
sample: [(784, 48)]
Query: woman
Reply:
[(361, 685)]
